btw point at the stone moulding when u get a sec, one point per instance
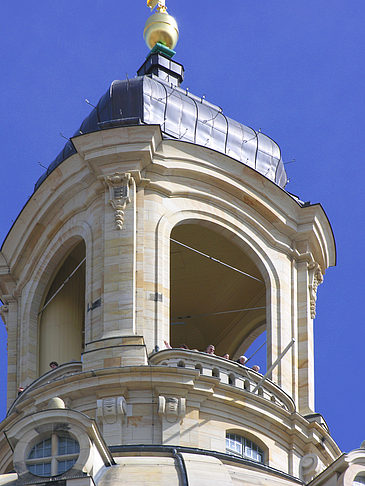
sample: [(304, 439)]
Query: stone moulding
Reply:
[(186, 386)]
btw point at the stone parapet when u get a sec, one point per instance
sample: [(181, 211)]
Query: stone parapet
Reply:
[(228, 372), (185, 406)]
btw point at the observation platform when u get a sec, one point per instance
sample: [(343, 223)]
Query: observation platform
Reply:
[(213, 371)]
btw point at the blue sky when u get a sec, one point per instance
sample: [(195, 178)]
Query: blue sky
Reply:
[(293, 68)]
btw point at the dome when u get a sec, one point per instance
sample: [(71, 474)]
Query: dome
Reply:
[(155, 98)]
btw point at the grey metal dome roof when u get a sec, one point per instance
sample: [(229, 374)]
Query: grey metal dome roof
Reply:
[(150, 100)]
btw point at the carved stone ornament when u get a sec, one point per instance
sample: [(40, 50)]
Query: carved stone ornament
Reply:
[(309, 467), (4, 309), (109, 409), (118, 185), (171, 408), (315, 279)]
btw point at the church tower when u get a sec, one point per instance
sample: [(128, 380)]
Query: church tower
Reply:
[(161, 227)]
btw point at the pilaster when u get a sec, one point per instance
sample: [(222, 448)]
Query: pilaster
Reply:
[(119, 255), (280, 332), (305, 340), (9, 314)]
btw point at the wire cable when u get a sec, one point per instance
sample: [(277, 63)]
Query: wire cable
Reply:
[(219, 313), (62, 285), (257, 350), (216, 260)]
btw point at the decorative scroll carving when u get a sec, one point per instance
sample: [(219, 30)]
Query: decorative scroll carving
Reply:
[(118, 185), (315, 279), (309, 467), (109, 409), (4, 309), (119, 191), (171, 408)]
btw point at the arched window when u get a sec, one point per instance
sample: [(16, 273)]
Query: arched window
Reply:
[(54, 455), (359, 480), (62, 316), (242, 447)]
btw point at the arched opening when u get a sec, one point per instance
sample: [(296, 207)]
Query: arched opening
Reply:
[(210, 302), (256, 352), (62, 316)]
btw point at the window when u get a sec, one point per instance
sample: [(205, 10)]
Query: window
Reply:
[(242, 447), (359, 480), (54, 455)]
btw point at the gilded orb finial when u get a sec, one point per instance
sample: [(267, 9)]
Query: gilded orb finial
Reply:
[(161, 5), (160, 28)]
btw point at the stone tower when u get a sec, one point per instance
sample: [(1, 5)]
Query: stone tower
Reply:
[(163, 220)]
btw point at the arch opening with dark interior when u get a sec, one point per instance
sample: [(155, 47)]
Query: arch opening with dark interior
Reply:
[(209, 300), (61, 325)]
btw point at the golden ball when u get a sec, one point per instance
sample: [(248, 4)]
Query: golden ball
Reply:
[(161, 27)]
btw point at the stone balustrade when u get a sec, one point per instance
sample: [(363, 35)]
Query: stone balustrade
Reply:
[(228, 372)]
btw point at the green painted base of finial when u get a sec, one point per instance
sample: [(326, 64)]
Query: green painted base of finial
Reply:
[(162, 49)]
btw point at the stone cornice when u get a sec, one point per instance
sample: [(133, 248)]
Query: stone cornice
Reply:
[(135, 145), (272, 211), (213, 396)]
